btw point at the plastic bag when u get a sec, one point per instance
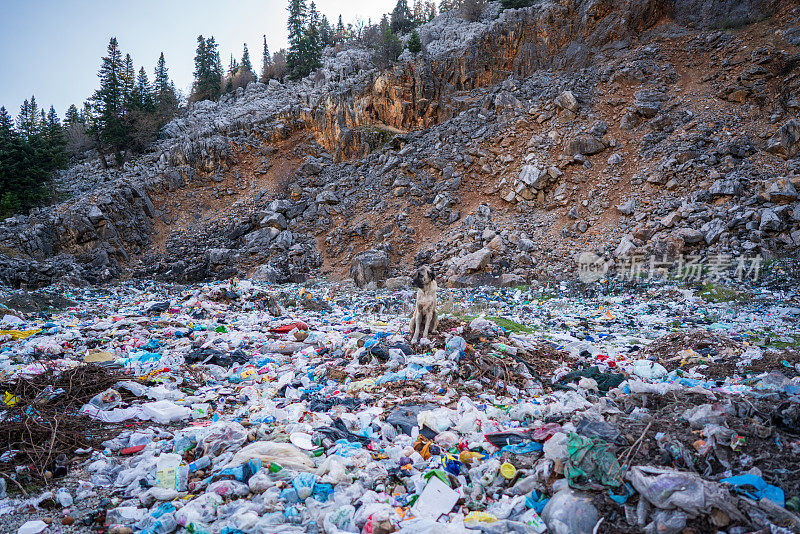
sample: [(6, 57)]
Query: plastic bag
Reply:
[(284, 454), (649, 369), (570, 512), (670, 489), (590, 462), (107, 400), (223, 436), (304, 485)]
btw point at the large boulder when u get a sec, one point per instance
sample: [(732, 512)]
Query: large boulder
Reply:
[(770, 221), (567, 100), (725, 187), (368, 268), (781, 189), (786, 141), (712, 230), (473, 262), (585, 144)]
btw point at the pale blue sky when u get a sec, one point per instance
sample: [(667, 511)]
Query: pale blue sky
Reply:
[(52, 48)]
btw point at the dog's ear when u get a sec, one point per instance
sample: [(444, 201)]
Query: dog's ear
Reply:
[(433, 273)]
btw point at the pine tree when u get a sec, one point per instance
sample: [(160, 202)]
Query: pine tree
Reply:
[(401, 17), (418, 13), (312, 42), (266, 61), (414, 43), (108, 102), (296, 27), (430, 10), (28, 119), (165, 99), (325, 32), (27, 162), (207, 70), (72, 116), (11, 158), (55, 140), (142, 94), (128, 82), (246, 65), (340, 30), (389, 46)]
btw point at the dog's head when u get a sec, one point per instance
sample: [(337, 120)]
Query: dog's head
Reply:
[(423, 277)]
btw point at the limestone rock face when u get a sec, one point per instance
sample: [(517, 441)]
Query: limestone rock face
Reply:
[(369, 268)]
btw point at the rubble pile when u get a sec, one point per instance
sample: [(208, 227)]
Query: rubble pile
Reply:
[(241, 407)]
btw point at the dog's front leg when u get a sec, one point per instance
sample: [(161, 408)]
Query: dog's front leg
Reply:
[(428, 320), (416, 326)]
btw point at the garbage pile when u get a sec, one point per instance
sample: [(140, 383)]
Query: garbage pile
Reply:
[(244, 408)]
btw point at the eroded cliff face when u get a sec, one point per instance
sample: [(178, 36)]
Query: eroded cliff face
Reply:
[(423, 92)]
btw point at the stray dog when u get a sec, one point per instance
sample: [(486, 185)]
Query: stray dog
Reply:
[(425, 318)]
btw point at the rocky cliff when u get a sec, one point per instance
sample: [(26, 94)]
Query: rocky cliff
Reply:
[(511, 144)]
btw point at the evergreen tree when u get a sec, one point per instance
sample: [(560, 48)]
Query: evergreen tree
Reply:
[(233, 66), (266, 61), (72, 116), (389, 46), (430, 10), (28, 119), (295, 59), (401, 17), (414, 43), (128, 82), (27, 162), (312, 43), (55, 140), (108, 101), (515, 4), (447, 5), (11, 157), (340, 30), (142, 94), (325, 32), (246, 66), (207, 70), (165, 98)]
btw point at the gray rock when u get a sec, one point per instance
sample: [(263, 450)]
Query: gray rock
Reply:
[(327, 197), (567, 100), (624, 248), (274, 220), (219, 256), (670, 220), (472, 262), (725, 187), (781, 189), (795, 213), (586, 145), (786, 141), (770, 221), (627, 207), (533, 177), (95, 214), (511, 280), (398, 282), (712, 230), (369, 267), (266, 273), (690, 236), (648, 102)]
